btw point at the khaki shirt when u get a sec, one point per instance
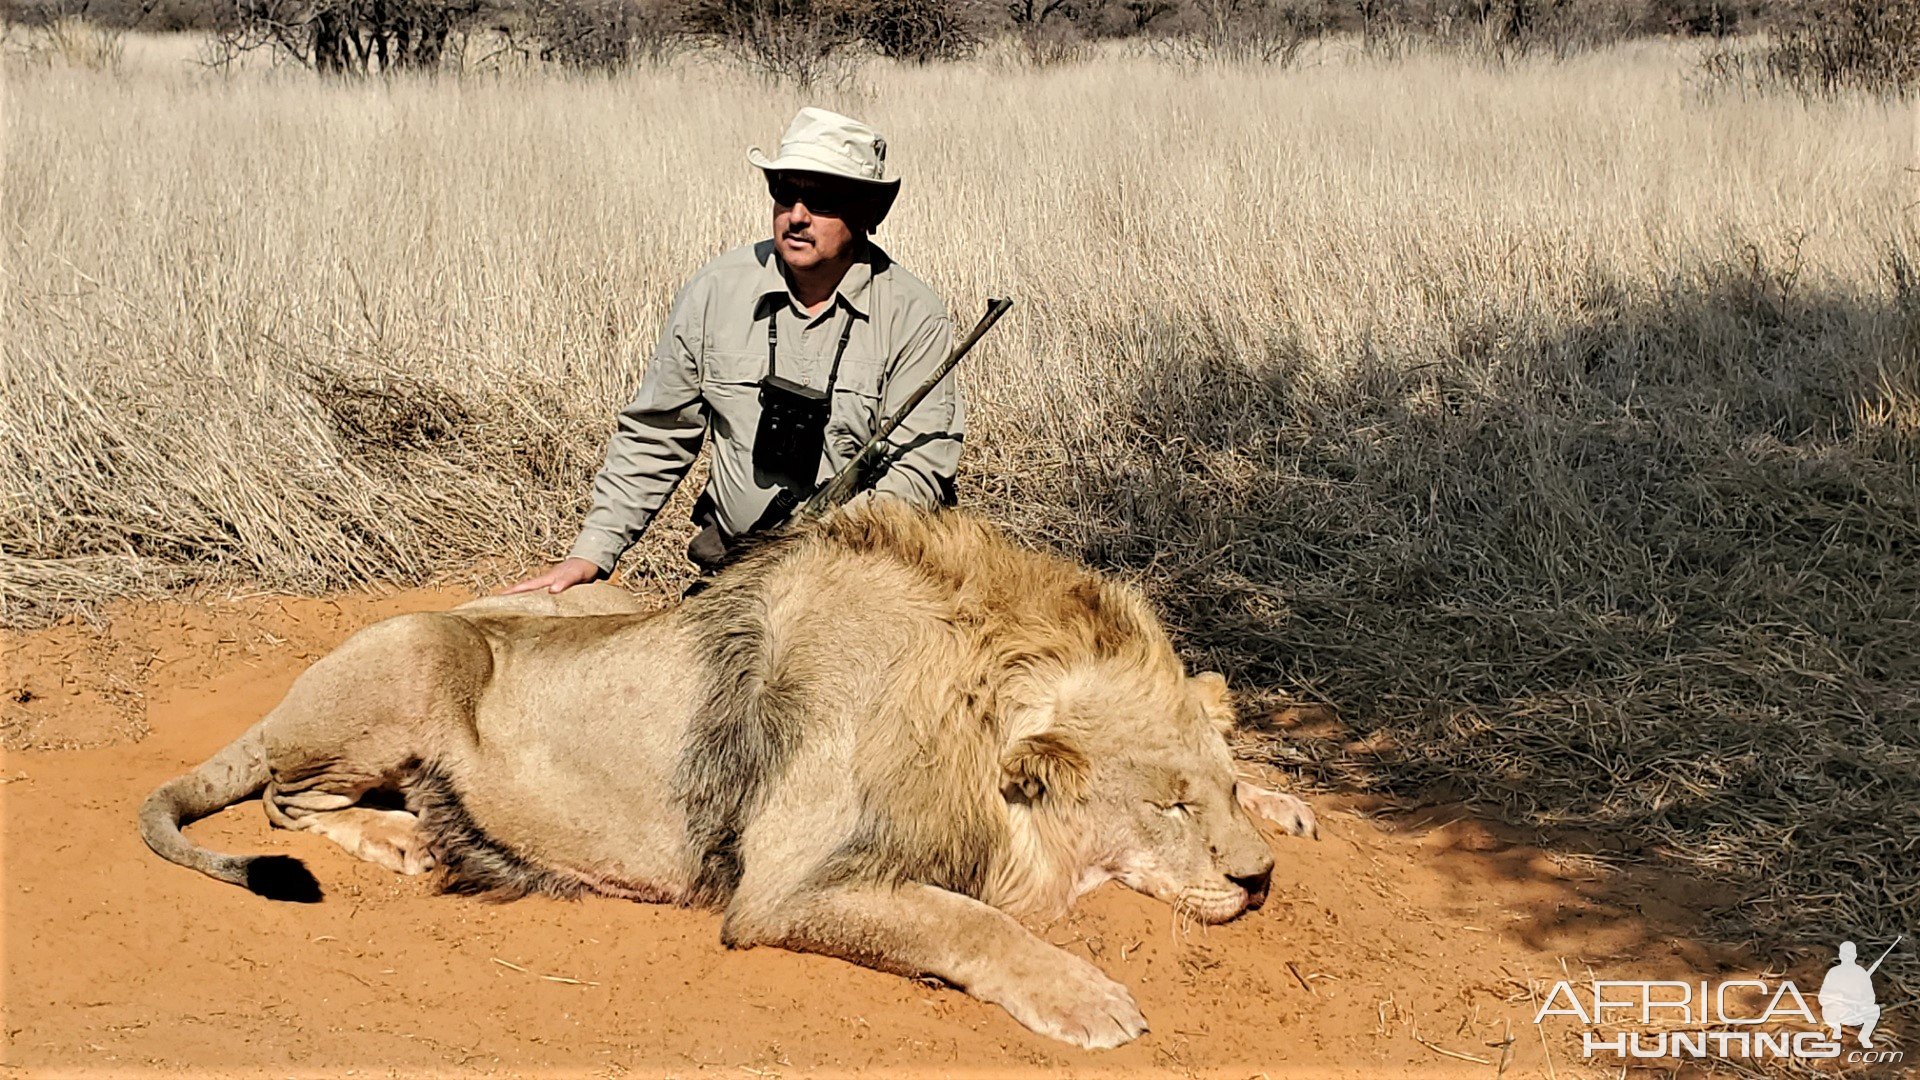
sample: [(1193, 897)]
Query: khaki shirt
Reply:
[(705, 376)]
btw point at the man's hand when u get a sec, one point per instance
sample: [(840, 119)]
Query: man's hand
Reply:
[(561, 577)]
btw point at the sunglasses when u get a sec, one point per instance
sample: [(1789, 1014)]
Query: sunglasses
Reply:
[(821, 199)]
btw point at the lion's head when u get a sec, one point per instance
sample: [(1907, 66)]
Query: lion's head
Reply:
[(1132, 772), (1099, 757)]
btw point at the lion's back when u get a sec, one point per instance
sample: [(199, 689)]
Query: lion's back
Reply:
[(594, 598)]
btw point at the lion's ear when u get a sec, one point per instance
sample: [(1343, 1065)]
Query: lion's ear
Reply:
[(1211, 688), (1045, 764)]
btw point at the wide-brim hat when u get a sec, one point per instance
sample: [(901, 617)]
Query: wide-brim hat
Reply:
[(827, 143)]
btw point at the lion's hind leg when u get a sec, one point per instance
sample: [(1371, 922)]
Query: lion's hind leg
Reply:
[(360, 726), (341, 791)]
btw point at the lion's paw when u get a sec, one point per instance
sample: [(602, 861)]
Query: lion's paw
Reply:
[(389, 838), (398, 845), (1078, 1004), (407, 855), (1290, 813)]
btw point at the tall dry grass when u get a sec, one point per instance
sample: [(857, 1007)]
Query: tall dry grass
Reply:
[(1556, 421)]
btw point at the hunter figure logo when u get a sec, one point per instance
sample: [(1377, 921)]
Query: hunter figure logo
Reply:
[(1706, 1019), (1846, 994)]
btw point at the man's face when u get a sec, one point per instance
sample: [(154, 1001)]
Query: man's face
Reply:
[(816, 219)]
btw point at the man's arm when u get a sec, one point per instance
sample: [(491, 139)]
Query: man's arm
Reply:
[(655, 439), (926, 446)]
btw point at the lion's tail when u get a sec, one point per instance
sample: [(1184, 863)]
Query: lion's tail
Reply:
[(235, 773)]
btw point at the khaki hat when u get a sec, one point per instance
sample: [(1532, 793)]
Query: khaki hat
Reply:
[(819, 141)]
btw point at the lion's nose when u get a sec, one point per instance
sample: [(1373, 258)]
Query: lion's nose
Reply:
[(1255, 884)]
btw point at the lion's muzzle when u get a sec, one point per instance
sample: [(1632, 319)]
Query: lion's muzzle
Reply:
[(1212, 904), (1256, 885)]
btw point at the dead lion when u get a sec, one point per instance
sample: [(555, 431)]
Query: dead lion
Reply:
[(881, 737)]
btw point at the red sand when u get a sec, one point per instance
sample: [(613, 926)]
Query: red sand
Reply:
[(1387, 947)]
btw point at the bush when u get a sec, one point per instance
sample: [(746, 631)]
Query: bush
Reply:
[(603, 35), (799, 41), (1694, 18), (1826, 46), (1261, 31), (1048, 32), (75, 42), (1498, 29), (921, 30)]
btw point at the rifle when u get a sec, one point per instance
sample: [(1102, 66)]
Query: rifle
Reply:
[(1884, 955), (858, 473)]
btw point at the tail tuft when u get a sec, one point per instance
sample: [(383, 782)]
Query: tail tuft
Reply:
[(282, 877)]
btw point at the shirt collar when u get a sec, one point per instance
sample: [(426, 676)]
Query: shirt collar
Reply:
[(852, 290)]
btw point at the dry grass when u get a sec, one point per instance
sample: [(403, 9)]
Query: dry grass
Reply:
[(68, 41), (1558, 422)]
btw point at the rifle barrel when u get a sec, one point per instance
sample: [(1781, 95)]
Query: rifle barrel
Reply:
[(841, 485), (1884, 955), (995, 309)]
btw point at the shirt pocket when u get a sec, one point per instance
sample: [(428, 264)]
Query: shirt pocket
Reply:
[(730, 381), (720, 368), (856, 406)]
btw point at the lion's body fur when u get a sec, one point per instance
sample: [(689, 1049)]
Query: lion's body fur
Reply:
[(865, 711)]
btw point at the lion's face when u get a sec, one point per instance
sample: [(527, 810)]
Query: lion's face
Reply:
[(1147, 772)]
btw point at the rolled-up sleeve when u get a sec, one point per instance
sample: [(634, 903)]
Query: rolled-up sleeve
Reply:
[(656, 438), (926, 447)]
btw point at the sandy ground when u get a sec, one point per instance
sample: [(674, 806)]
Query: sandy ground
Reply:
[(1403, 945)]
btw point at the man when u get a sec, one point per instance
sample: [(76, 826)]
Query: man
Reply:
[(1847, 998), (789, 352)]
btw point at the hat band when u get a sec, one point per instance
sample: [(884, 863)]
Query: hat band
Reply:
[(830, 157)]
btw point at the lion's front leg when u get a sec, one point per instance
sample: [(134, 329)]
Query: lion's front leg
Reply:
[(920, 930)]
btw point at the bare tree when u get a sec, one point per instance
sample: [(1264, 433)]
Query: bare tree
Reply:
[(344, 37)]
